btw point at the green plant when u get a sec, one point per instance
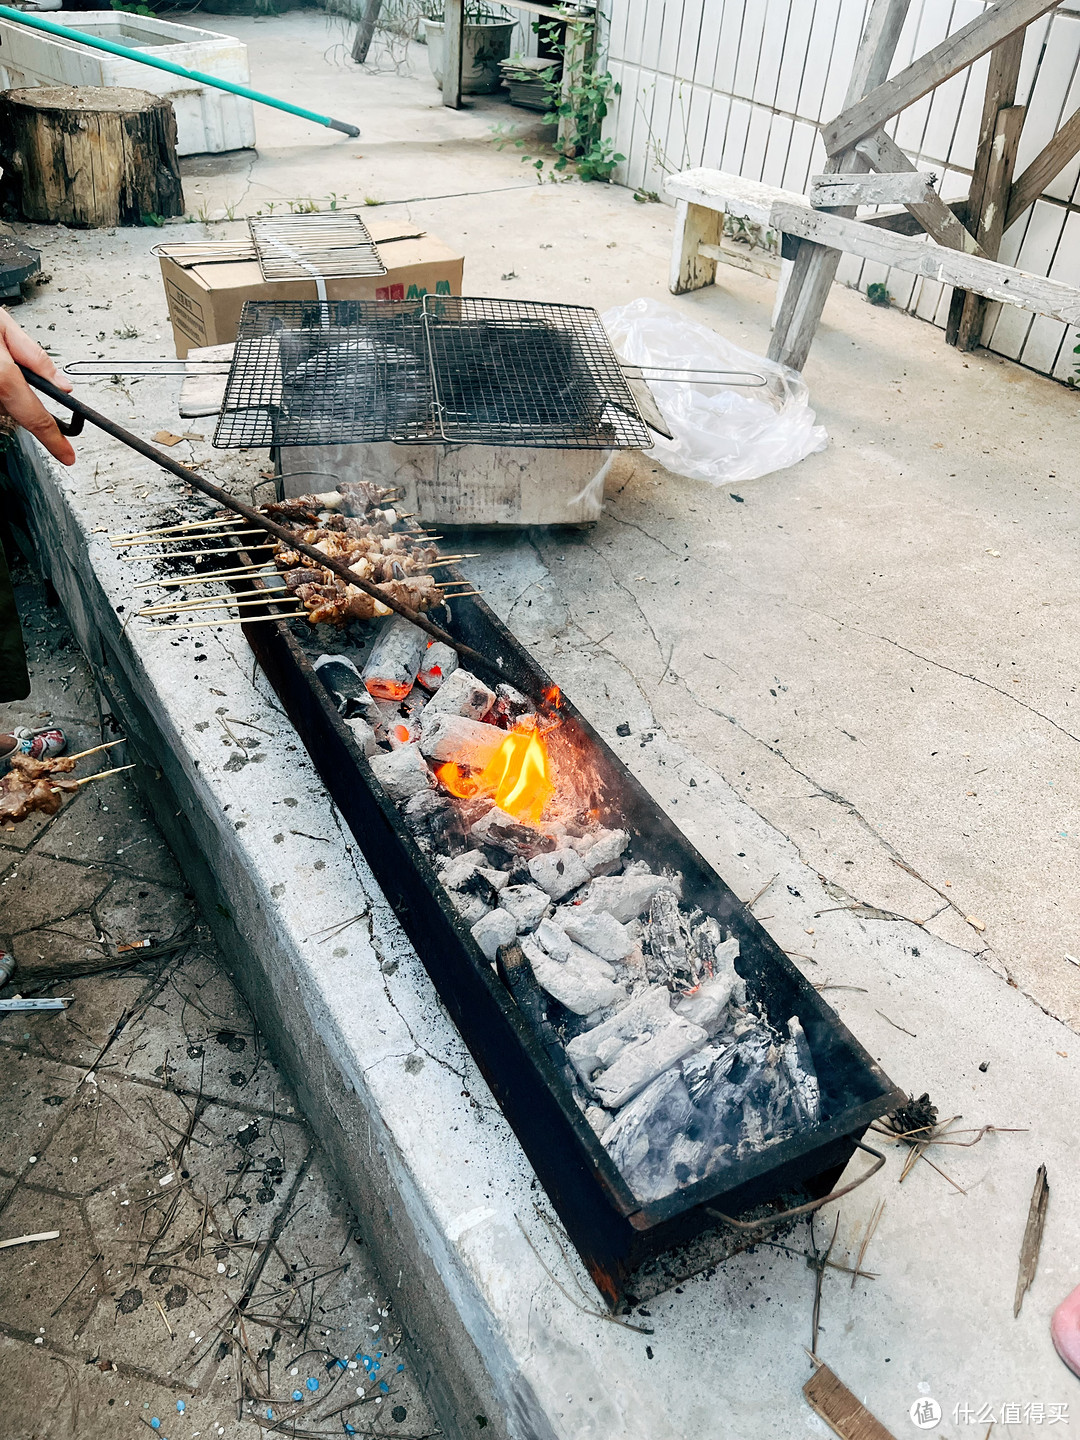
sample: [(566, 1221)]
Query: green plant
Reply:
[(132, 9), (646, 197), (152, 219), (579, 109), (878, 294), (128, 332)]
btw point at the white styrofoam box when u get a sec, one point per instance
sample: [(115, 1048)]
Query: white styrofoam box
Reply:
[(207, 120)]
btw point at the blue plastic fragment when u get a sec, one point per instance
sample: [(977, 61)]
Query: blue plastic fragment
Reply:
[(298, 1395), (384, 1387), (155, 1424), (269, 1413), (312, 1383), (181, 1406), (349, 1429), (400, 1368)]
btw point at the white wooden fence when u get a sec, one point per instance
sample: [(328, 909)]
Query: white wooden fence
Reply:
[(741, 85)]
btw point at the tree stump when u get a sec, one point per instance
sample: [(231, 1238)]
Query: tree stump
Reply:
[(88, 155)]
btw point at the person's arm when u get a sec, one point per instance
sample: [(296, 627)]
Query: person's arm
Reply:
[(16, 397)]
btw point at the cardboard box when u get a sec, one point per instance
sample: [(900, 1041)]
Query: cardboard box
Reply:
[(206, 287)]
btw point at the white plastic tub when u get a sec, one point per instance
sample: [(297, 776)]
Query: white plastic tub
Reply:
[(207, 121)]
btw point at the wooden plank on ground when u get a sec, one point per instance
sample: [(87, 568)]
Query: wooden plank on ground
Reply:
[(830, 1398), (940, 63), (931, 212), (827, 192), (933, 262), (1049, 162)]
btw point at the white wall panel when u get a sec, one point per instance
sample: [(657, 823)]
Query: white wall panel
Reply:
[(743, 85)]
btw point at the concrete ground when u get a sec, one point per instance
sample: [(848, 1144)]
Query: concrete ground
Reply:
[(204, 1243), (869, 657)]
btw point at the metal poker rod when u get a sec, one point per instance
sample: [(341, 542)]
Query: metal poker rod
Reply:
[(82, 413)]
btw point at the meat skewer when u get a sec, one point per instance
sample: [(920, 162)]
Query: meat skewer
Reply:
[(82, 412)]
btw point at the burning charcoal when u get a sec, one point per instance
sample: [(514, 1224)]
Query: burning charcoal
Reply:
[(505, 840), (497, 928), (644, 1058), (395, 659), (363, 707), (457, 739), (340, 676), (510, 705), (478, 884), (438, 664), (364, 735), (462, 694), (457, 874), (667, 942), (526, 903), (604, 855), (578, 983), (402, 773), (601, 933), (799, 1064), (558, 872), (648, 1011), (624, 896), (650, 1143)]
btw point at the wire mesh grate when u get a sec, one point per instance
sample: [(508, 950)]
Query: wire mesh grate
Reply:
[(296, 247), (463, 370)]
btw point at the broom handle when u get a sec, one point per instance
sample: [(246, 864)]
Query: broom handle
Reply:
[(82, 413)]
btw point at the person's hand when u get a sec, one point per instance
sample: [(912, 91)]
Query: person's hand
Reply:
[(18, 400)]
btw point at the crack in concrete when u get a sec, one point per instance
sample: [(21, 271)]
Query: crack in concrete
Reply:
[(649, 535)]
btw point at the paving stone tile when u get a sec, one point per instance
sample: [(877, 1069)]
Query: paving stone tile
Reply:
[(113, 1132), (32, 1372), (132, 910), (37, 890), (75, 1036), (37, 1277), (54, 949), (110, 825), (33, 1095), (200, 1028)]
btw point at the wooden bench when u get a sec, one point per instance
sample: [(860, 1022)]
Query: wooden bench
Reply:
[(704, 197)]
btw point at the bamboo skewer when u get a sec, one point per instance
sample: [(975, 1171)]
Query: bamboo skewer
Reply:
[(220, 603), (197, 535), (169, 609), (226, 550), (236, 571), (477, 662), (100, 775), (107, 746), (169, 529), (239, 620)]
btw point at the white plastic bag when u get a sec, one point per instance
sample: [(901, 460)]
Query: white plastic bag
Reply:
[(721, 435)]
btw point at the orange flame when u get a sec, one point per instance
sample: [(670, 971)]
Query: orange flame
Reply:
[(517, 777)]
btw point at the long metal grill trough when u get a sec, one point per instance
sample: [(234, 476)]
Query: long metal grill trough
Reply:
[(330, 245), (451, 369), (633, 1248)]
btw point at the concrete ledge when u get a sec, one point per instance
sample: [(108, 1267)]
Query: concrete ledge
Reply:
[(504, 1323)]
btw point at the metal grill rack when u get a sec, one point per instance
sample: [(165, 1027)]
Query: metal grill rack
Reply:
[(331, 245), (452, 369)]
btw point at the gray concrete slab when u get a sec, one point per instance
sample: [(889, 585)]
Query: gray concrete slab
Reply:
[(889, 591)]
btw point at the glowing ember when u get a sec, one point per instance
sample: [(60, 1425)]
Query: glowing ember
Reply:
[(517, 777)]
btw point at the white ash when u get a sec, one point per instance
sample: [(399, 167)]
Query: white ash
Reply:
[(558, 872), (598, 1118), (402, 773), (597, 931), (604, 855), (463, 694), (643, 1058), (580, 983), (456, 872), (481, 830), (364, 735), (470, 907), (439, 663), (498, 927), (454, 738), (527, 904), (707, 1006), (623, 896)]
